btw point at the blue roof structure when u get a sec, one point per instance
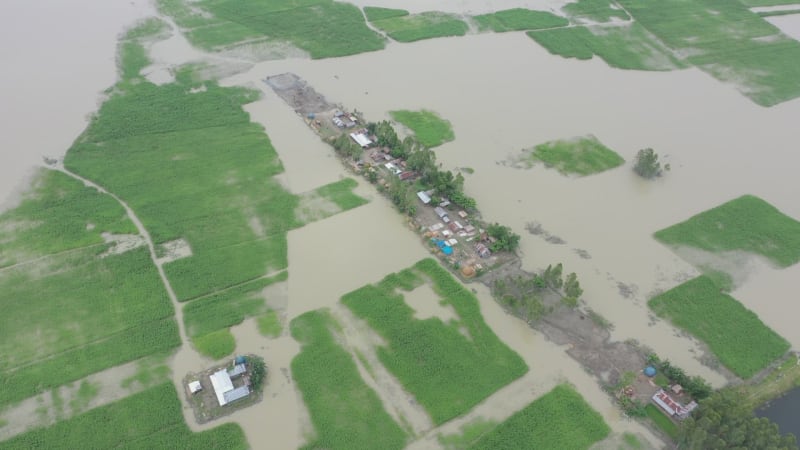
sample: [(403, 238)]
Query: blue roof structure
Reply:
[(650, 371), (446, 249)]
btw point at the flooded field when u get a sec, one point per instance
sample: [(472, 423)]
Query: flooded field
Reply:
[(53, 75), (502, 93)]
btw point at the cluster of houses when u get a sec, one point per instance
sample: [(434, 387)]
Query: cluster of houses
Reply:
[(344, 120), (448, 229)]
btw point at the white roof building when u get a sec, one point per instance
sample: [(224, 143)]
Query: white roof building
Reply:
[(195, 387), (424, 198), (361, 139), (223, 388)]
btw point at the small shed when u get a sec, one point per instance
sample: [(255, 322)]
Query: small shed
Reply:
[(650, 371), (195, 387)]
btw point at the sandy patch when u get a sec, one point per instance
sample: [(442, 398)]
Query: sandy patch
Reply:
[(66, 401), (174, 250), (121, 243)]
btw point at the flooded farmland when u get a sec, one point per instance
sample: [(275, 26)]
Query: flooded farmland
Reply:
[(502, 93)]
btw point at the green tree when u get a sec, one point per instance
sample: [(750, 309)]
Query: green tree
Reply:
[(505, 239), (572, 287), (647, 165), (722, 421), (552, 276), (258, 370)]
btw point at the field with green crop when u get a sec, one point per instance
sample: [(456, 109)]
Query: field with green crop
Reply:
[(729, 42), (595, 10), (661, 421), (227, 308), (216, 345), (323, 28), (374, 13), (518, 19), (193, 166), (149, 419), (747, 223), (67, 311), (430, 129), (416, 27), (345, 412), (579, 156), (734, 334), (430, 357), (341, 194), (560, 419), (629, 47)]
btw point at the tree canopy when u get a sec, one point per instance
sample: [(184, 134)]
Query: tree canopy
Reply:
[(722, 421), (647, 165)]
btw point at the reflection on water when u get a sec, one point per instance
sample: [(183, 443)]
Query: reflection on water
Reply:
[(784, 411)]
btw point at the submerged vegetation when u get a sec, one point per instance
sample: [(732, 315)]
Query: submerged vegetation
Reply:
[(558, 419), (596, 10), (149, 419), (519, 19), (728, 41), (734, 334), (427, 25), (747, 223), (580, 156), (430, 129), (345, 412), (322, 28), (630, 47), (431, 357)]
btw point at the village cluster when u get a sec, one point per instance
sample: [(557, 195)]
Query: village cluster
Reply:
[(455, 238)]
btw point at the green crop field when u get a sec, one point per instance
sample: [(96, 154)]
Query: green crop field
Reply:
[(629, 47), (661, 421), (430, 357), (374, 13), (227, 308), (323, 28), (430, 129), (595, 10), (341, 194), (149, 419), (518, 19), (747, 223), (560, 419), (580, 156), (345, 412), (67, 311), (729, 42), (733, 333), (216, 345), (427, 25), (194, 167)]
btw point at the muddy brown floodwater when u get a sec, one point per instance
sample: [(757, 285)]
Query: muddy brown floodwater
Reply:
[(502, 93), (52, 77)]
